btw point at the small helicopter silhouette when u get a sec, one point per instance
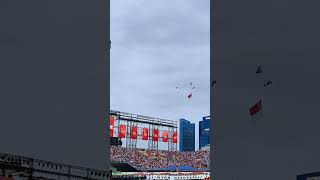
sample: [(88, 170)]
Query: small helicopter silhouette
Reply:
[(259, 69), (267, 83), (213, 82)]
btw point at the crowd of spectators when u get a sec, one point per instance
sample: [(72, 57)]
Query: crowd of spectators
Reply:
[(154, 159)]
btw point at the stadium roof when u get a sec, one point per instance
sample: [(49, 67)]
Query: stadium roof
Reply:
[(144, 119)]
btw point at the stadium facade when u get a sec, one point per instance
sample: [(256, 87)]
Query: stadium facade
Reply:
[(187, 135), (204, 133)]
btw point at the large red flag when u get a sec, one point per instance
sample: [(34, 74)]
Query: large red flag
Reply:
[(111, 126), (122, 131), (175, 137), (145, 132), (134, 132), (165, 135), (155, 135), (256, 109)]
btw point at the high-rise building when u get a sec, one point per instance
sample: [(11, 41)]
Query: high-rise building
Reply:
[(186, 135), (204, 132)]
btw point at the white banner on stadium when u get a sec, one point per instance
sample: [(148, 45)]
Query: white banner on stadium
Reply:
[(169, 175)]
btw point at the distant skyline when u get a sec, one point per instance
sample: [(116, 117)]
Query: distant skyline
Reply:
[(204, 132), (186, 135), (151, 56)]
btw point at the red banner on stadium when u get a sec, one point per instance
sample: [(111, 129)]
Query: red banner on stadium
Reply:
[(122, 131), (175, 137), (111, 126), (165, 136), (145, 132), (155, 135), (134, 132)]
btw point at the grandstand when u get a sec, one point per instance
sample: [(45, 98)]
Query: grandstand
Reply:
[(21, 167), (136, 154), (161, 160), (127, 157)]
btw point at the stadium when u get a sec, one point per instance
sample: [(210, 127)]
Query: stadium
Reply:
[(146, 147), (141, 148)]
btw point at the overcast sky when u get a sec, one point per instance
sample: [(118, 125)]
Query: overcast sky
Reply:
[(156, 46)]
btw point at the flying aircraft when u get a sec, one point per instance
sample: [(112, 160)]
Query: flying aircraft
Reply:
[(259, 70), (267, 83), (213, 82)]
